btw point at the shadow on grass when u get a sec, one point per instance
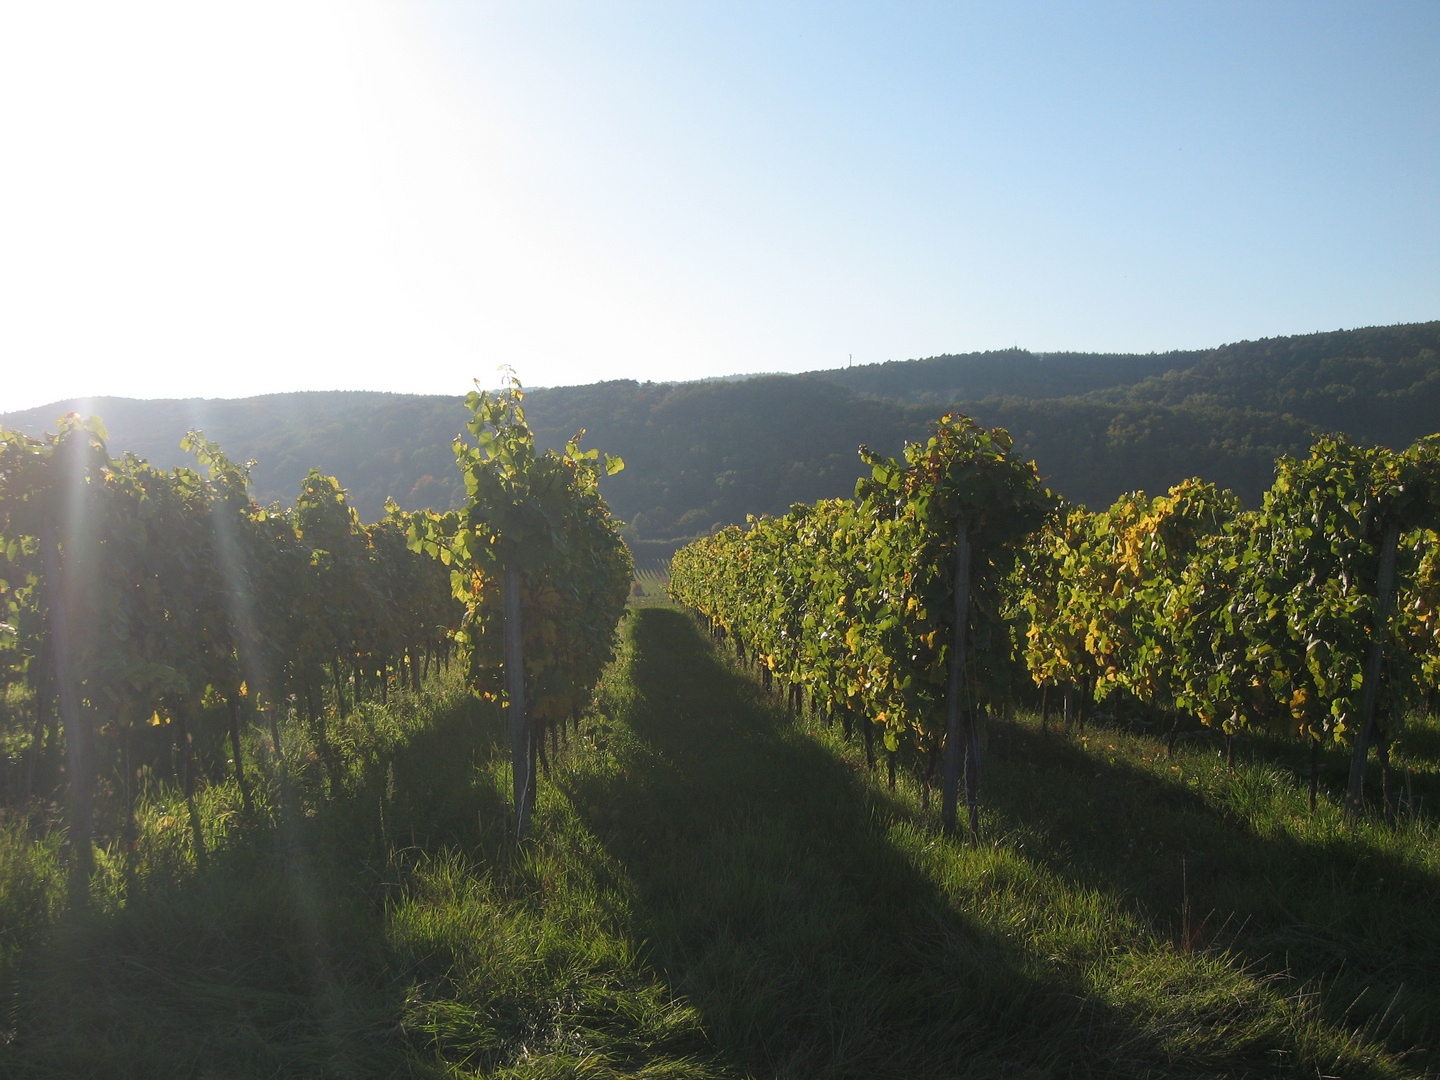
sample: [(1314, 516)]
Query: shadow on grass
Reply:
[(756, 869), (276, 958), (1357, 918), (770, 894)]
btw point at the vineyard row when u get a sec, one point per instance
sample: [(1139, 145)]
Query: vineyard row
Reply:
[(140, 607), (954, 582)]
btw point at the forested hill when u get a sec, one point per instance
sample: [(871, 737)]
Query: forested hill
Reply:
[(1004, 373), (1363, 381), (377, 444), (701, 453)]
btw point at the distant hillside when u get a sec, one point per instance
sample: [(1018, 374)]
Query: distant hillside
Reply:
[(377, 444), (1371, 382), (713, 450), (1380, 384), (703, 453), (1006, 373)]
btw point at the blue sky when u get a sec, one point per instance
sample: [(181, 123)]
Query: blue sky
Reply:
[(318, 195)]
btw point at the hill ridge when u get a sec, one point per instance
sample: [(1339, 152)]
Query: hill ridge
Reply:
[(703, 453)]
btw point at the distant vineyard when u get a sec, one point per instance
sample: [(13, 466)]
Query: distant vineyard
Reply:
[(654, 569), (652, 582)]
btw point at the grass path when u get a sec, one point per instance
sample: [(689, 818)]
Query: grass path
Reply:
[(714, 891), (819, 927)]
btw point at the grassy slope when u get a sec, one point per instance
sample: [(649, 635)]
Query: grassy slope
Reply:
[(715, 891)]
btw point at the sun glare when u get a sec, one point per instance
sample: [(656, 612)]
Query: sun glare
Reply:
[(229, 199)]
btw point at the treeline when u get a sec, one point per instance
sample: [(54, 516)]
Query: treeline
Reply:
[(703, 454), (954, 583), (378, 445), (1369, 382)]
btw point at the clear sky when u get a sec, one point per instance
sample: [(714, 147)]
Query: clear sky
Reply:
[(228, 199)]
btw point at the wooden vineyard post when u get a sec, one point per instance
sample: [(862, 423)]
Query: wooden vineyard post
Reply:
[(972, 773), (957, 732), (1374, 665), (77, 727), (515, 712)]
